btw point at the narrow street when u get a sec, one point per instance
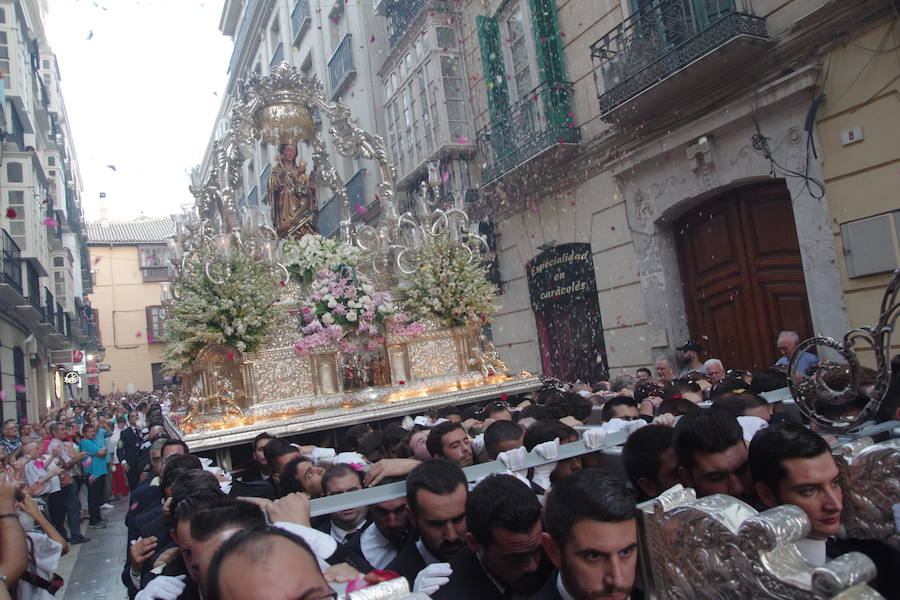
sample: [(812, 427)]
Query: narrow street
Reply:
[(94, 569)]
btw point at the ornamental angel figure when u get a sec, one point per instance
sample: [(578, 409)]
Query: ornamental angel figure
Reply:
[(291, 195)]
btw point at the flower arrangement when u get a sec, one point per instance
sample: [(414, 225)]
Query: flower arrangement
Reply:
[(342, 302), (449, 286), (239, 312), (312, 253)]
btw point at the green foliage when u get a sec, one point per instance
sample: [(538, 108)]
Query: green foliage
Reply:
[(449, 287), (239, 312)]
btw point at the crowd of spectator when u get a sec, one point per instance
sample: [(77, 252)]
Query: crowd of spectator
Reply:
[(564, 528)]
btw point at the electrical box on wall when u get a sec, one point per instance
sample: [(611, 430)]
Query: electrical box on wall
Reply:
[(872, 245)]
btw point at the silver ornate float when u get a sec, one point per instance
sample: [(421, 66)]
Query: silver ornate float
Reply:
[(813, 390)]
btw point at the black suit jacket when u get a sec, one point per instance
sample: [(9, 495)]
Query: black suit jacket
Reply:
[(408, 561), (469, 581), (129, 447), (886, 559), (550, 592)]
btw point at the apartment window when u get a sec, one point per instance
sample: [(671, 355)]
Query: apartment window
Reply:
[(45, 63), (51, 161), (404, 66), (2, 16), (16, 199), (518, 48), (157, 326), (451, 72), (59, 261), (446, 38), (14, 172), (4, 46), (154, 262), (59, 284)]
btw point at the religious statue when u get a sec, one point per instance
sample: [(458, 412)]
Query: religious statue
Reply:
[(291, 195)]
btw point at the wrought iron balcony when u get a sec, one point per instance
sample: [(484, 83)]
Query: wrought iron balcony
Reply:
[(300, 20), (402, 14), (539, 121), (661, 39), (356, 191), (48, 314), (60, 319), (340, 66), (10, 262)]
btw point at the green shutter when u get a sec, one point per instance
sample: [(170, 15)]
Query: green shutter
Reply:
[(551, 63), (548, 42), (492, 63)]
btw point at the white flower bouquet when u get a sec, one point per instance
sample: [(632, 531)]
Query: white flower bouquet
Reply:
[(312, 253)]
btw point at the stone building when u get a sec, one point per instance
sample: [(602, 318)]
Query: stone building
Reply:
[(44, 270), (129, 259), (660, 170), (339, 42)]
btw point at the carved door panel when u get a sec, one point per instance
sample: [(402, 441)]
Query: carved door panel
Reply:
[(742, 273)]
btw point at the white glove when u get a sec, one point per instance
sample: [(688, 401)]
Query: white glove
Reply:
[(163, 588), (514, 459), (320, 454), (541, 475), (431, 578), (593, 437), (478, 444), (635, 425), (548, 450)]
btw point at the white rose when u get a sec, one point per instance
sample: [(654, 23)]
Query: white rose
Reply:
[(327, 319), (332, 303), (351, 315)]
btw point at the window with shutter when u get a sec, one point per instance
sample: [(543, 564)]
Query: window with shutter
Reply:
[(492, 64)]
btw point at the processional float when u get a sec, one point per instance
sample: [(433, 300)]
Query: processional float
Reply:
[(718, 547), (349, 334)]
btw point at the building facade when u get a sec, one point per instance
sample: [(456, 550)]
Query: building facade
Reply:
[(340, 43), (44, 271), (657, 171), (129, 259)]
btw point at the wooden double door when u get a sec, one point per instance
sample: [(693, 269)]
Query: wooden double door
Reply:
[(742, 274)]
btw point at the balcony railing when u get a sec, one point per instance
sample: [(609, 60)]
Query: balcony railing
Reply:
[(356, 191), (68, 320), (34, 287), (277, 56), (48, 316), (660, 39), (340, 66), (300, 19), (10, 262), (60, 319), (252, 197), (537, 122), (402, 14)]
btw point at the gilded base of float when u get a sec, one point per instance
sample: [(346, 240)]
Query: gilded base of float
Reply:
[(224, 428)]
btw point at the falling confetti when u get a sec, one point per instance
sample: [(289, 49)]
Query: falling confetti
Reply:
[(462, 140), (90, 34), (360, 209), (113, 167), (138, 334), (10, 213), (20, 388), (50, 222)]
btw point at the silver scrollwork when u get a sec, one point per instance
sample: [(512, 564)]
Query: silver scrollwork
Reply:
[(813, 390)]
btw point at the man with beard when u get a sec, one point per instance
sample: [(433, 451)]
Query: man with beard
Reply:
[(436, 494), (591, 537), (712, 455), (385, 534), (504, 557), (450, 441)]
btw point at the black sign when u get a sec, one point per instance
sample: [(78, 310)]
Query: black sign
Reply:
[(561, 275)]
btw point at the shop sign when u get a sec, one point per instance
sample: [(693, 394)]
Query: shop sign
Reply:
[(72, 377), (561, 275)]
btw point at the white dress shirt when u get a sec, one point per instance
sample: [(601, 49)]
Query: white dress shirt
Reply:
[(376, 548)]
